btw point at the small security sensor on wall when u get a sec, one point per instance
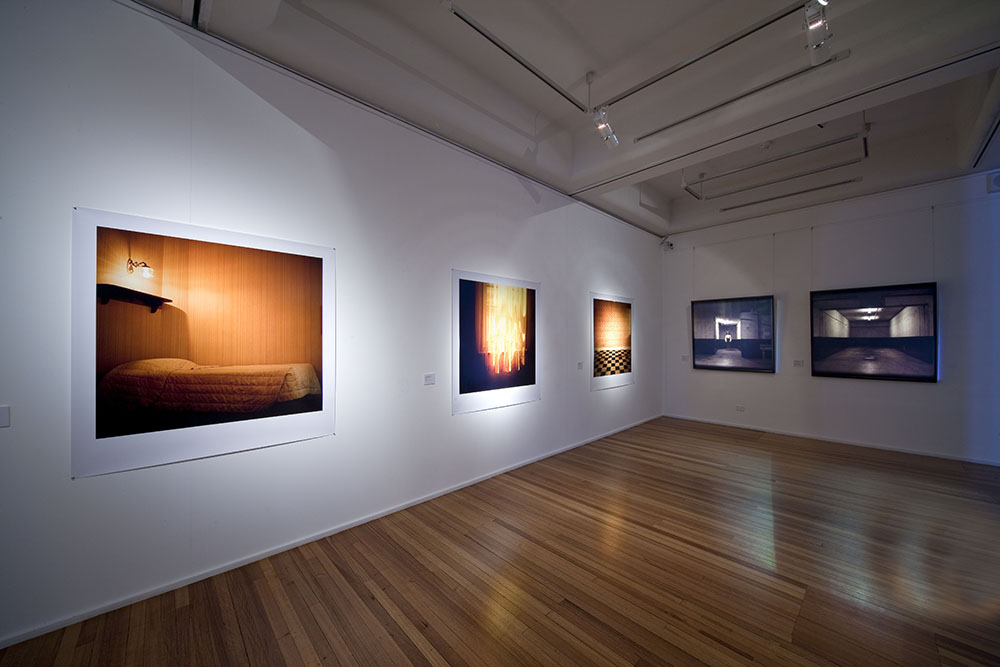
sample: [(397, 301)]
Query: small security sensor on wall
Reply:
[(666, 244)]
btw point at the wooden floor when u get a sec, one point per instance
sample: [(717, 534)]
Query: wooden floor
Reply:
[(670, 543)]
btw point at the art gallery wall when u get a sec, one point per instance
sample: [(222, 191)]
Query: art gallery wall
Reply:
[(946, 232), (107, 108)]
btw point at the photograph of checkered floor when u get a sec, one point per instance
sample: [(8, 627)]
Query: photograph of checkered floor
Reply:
[(612, 362)]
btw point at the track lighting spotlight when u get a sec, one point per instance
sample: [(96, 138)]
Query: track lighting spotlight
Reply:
[(604, 127), (601, 118), (817, 31)]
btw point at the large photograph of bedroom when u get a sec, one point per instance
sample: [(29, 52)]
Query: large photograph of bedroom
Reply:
[(191, 333)]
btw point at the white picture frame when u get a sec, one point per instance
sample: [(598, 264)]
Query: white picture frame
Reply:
[(617, 379), (92, 455), (464, 401)]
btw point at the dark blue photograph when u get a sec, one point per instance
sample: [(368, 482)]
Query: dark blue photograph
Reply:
[(887, 333), (734, 334)]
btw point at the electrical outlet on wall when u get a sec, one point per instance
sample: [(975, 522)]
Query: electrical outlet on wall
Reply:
[(799, 363), (741, 408), (430, 378), (579, 365), (685, 357)]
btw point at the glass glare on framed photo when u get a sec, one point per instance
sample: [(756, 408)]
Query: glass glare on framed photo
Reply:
[(733, 334), (887, 333), (612, 341), (495, 357)]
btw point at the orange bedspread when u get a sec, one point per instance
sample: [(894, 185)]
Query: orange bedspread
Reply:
[(179, 384)]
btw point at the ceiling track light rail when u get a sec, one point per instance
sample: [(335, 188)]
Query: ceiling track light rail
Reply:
[(843, 55), (599, 112), (772, 160), (518, 58), (856, 179), (701, 55), (977, 55), (776, 181)]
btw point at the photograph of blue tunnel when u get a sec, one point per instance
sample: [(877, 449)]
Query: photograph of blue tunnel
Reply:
[(885, 333), (734, 334)]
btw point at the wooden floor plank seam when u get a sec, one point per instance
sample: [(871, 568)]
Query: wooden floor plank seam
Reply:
[(673, 542)]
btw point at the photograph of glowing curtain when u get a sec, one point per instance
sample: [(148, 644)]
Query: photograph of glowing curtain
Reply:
[(497, 336)]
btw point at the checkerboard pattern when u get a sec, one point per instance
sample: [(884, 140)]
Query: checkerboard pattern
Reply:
[(612, 362)]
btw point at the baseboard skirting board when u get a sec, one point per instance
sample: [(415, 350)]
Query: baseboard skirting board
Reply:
[(232, 565), (839, 441)]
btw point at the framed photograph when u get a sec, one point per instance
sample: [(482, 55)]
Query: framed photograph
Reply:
[(191, 342), (494, 342), (611, 341), (733, 334), (882, 333)]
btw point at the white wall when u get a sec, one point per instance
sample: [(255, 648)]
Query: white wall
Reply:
[(947, 232), (104, 107)]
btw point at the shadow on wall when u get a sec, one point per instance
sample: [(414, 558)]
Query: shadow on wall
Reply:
[(127, 332)]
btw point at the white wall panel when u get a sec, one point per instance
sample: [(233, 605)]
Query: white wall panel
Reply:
[(890, 250), (742, 267), (107, 108)]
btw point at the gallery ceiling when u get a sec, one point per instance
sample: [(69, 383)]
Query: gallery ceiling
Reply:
[(721, 109)]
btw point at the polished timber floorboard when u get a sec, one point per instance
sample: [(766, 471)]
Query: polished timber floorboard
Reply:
[(671, 543)]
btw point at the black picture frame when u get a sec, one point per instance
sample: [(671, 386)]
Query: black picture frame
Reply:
[(735, 334), (895, 332)]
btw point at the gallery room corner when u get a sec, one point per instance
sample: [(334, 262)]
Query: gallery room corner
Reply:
[(931, 239)]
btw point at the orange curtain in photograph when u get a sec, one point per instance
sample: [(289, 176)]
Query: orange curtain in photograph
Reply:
[(501, 326)]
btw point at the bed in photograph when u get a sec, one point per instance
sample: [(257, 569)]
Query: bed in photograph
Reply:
[(158, 394)]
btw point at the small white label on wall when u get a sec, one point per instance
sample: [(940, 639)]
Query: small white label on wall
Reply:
[(430, 378)]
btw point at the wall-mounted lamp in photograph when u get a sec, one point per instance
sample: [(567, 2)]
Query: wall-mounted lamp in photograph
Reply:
[(145, 270)]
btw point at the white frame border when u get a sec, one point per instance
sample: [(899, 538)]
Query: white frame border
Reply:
[(90, 456), (491, 398), (621, 379)]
